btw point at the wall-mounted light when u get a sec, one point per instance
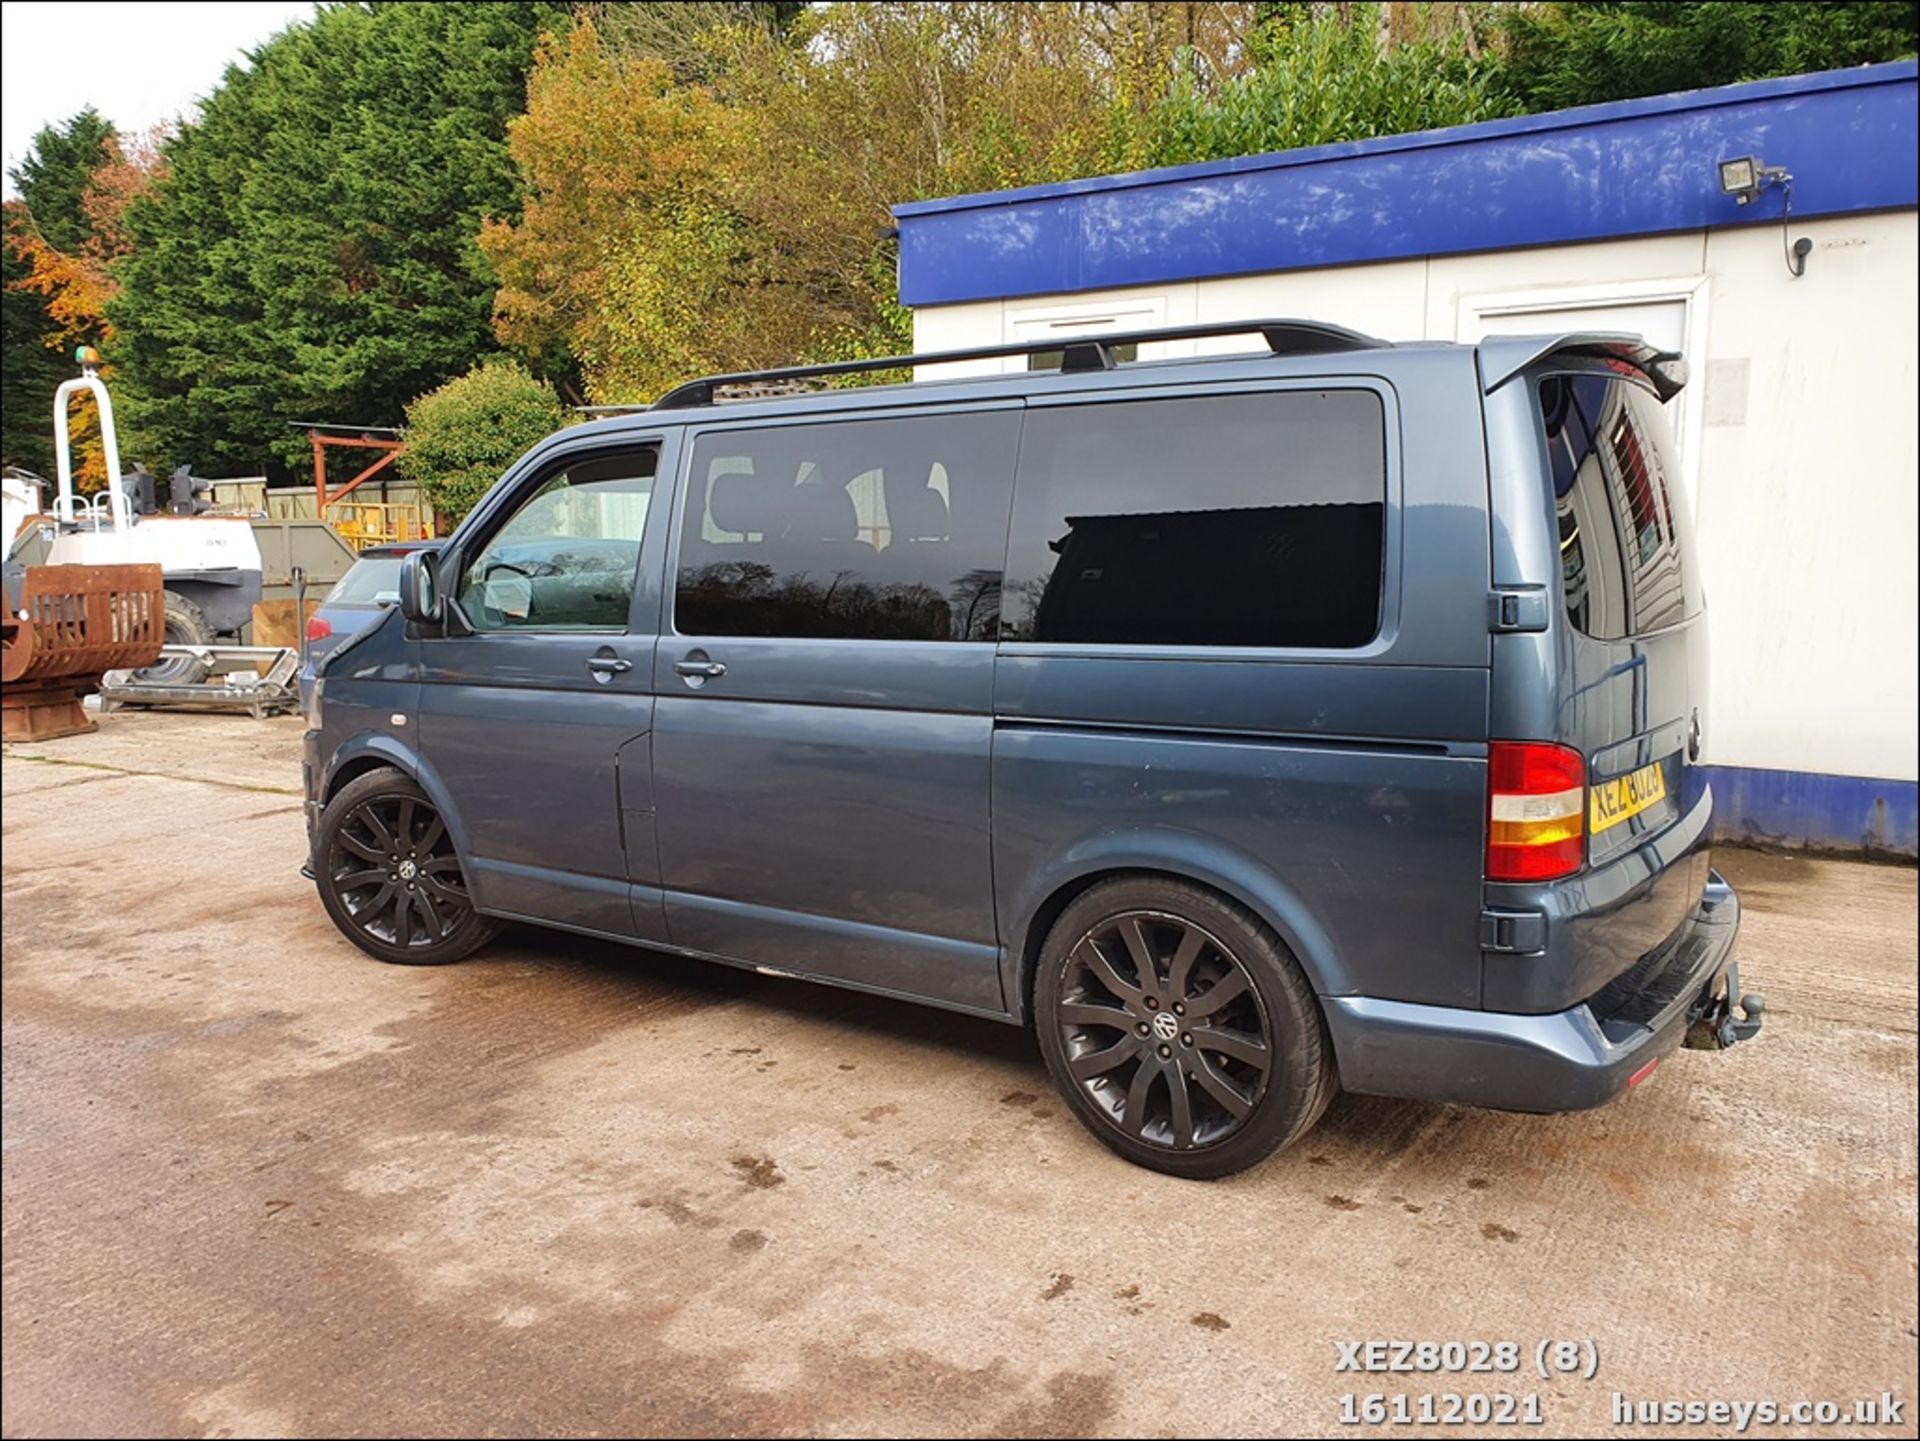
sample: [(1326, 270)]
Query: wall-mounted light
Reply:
[(1744, 177)]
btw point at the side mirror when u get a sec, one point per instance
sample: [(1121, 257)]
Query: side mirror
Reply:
[(420, 587)]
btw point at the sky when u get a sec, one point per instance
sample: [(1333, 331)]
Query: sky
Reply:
[(137, 61)]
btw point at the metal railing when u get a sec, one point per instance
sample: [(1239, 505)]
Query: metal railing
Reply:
[(362, 523)]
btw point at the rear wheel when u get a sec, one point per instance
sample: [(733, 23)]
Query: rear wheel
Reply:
[(186, 624), (1179, 1029), (390, 878)]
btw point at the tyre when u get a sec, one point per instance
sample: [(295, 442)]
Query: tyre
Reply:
[(1179, 1029), (186, 624), (389, 877)]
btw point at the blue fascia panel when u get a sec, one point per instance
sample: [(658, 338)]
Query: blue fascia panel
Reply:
[(1806, 810), (1636, 167)]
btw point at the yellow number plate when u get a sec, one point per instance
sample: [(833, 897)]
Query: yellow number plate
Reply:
[(1613, 801)]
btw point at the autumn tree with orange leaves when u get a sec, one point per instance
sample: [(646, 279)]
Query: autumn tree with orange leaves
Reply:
[(62, 238), (708, 187)]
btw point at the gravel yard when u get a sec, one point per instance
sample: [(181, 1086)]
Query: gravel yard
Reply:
[(257, 1183)]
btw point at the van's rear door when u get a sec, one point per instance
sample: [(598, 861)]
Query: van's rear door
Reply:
[(1592, 520)]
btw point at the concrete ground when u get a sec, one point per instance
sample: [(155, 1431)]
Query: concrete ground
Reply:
[(256, 1183)]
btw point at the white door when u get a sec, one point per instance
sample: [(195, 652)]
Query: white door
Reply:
[(1670, 315), (1042, 325)]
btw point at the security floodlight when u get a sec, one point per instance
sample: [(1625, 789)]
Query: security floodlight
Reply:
[(1740, 178), (1744, 177)]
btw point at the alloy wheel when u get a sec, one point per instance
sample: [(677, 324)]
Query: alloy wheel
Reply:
[(394, 870), (1164, 1029)]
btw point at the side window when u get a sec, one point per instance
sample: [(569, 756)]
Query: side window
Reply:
[(566, 559), (1247, 520), (852, 530), (1625, 550)]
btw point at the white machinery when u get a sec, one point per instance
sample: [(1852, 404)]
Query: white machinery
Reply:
[(211, 564), (19, 498)]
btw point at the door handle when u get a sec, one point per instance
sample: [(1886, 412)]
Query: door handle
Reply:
[(706, 669), (604, 665)]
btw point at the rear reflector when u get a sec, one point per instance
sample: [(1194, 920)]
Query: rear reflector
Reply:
[(1536, 811), (318, 629), (1640, 1075)]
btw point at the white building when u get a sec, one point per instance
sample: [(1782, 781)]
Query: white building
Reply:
[(1800, 433)]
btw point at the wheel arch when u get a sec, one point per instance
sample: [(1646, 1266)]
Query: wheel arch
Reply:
[(349, 771), (450, 935), (372, 751), (1191, 859)]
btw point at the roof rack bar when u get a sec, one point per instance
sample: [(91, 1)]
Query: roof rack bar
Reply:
[(1081, 353)]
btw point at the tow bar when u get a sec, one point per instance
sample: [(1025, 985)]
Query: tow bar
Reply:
[(1713, 1025)]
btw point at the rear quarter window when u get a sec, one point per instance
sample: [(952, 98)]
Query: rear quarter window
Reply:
[(1243, 520), (1626, 544)]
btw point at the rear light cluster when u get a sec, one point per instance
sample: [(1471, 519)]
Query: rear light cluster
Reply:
[(318, 629), (1536, 811)]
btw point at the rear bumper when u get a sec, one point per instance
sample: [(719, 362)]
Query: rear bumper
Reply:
[(1566, 1061)]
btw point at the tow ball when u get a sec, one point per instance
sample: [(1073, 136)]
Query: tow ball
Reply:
[(1714, 1025)]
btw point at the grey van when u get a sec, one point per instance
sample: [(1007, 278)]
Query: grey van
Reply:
[(1250, 726)]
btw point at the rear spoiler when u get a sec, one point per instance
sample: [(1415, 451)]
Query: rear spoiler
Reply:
[(1502, 357)]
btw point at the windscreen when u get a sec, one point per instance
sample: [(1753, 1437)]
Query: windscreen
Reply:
[(372, 580)]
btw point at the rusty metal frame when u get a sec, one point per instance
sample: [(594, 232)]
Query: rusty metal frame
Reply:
[(349, 437), (75, 623)]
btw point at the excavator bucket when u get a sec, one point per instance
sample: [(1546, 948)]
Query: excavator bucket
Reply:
[(74, 623)]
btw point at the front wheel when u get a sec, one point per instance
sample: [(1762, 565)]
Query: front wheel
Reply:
[(1179, 1029), (389, 877)]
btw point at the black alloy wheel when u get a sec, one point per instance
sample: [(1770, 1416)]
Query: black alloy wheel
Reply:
[(1179, 1027), (390, 876), (1163, 1028), (396, 873)]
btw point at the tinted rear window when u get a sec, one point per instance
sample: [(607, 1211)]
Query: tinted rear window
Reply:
[(852, 530), (1248, 520), (371, 580), (1626, 551)]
